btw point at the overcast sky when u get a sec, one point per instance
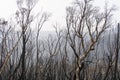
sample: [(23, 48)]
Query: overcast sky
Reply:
[(56, 7)]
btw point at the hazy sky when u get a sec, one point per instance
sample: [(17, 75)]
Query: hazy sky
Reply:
[(56, 7)]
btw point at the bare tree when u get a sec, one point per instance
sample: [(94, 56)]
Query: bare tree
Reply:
[(24, 21), (85, 25), (40, 24)]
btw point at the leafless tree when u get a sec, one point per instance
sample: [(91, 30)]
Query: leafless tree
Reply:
[(85, 25)]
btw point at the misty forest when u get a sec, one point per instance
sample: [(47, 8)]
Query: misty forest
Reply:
[(87, 48)]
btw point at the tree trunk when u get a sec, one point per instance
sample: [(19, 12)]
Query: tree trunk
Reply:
[(117, 54), (23, 54)]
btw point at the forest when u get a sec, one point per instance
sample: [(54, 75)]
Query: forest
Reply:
[(86, 49)]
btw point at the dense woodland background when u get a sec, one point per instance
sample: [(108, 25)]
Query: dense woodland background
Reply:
[(86, 49)]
